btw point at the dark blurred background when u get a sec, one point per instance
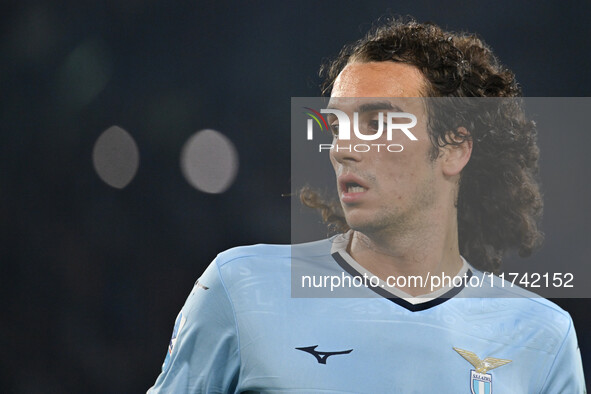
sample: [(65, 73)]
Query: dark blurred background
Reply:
[(91, 276)]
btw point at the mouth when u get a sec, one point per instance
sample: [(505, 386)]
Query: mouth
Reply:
[(352, 188)]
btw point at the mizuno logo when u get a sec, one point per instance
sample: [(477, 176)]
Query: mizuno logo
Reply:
[(321, 356)]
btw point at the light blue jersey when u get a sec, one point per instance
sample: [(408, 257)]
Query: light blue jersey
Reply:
[(241, 330)]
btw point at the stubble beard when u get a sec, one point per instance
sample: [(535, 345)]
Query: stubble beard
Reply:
[(397, 221)]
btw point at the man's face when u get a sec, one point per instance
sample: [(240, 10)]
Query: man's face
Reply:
[(381, 190)]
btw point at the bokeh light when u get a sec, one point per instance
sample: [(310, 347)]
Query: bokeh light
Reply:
[(84, 73), (209, 161), (116, 157)]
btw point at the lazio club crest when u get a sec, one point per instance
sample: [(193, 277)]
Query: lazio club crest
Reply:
[(480, 380)]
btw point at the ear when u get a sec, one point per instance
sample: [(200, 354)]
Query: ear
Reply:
[(455, 157)]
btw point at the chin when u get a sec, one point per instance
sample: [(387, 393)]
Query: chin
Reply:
[(370, 225), (360, 224)]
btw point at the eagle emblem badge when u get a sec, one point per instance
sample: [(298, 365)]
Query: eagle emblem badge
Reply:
[(480, 380)]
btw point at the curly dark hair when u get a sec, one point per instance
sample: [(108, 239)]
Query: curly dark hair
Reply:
[(499, 202)]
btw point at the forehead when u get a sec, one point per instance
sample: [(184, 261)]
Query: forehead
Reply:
[(379, 79)]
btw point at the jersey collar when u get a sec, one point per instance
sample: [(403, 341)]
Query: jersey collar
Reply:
[(397, 296)]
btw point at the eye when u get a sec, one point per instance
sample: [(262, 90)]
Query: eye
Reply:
[(374, 125), (334, 128)]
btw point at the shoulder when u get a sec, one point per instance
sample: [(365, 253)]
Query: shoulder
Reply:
[(494, 287), (541, 334), (268, 262), (244, 254), (267, 253), (529, 311)]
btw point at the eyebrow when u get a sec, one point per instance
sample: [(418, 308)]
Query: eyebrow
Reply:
[(377, 106)]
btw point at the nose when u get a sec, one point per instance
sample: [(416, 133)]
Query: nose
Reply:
[(345, 152)]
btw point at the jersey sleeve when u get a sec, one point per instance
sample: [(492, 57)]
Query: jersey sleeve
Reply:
[(566, 372), (203, 355)]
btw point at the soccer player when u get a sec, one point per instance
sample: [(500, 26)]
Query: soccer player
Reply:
[(449, 204)]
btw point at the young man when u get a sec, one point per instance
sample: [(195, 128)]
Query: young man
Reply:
[(463, 189)]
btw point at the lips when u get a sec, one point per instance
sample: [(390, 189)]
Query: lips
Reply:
[(352, 188)]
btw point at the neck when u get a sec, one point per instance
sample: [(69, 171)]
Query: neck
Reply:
[(423, 250)]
